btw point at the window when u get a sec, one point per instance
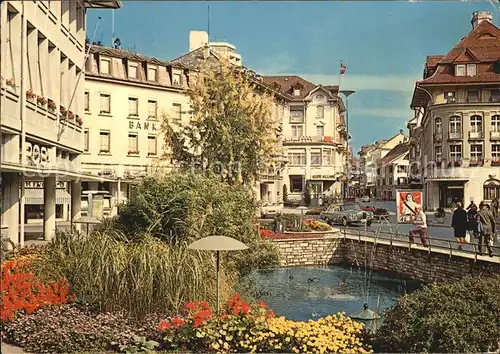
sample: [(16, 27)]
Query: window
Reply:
[(438, 153), (491, 189), (297, 130), (87, 102), (297, 157), (455, 153), (296, 184), (320, 112), (86, 140), (320, 130), (328, 157), (476, 153), (401, 169), (177, 112), (455, 125), (438, 125), (105, 103), (495, 154), (476, 124), (105, 66), (473, 96), (316, 157), (449, 97), (132, 71), (296, 92), (495, 95), (296, 114), (471, 69), (152, 108), (176, 79), (133, 106), (152, 145), (152, 74), (133, 143), (460, 70), (495, 124), (104, 142)]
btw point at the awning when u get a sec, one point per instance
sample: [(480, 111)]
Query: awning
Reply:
[(34, 196)]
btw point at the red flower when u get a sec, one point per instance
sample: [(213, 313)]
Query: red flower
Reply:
[(261, 304), (164, 325)]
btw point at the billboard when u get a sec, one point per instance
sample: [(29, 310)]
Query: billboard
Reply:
[(407, 203)]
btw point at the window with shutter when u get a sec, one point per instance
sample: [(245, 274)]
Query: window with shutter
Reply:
[(152, 145), (105, 103), (133, 106)]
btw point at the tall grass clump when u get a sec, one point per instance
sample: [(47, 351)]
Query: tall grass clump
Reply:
[(148, 276)]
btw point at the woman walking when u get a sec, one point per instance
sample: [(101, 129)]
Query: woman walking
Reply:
[(459, 224)]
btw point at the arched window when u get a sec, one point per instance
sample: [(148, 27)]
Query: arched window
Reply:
[(476, 124), (438, 125), (491, 189)]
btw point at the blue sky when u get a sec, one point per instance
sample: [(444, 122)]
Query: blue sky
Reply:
[(384, 44)]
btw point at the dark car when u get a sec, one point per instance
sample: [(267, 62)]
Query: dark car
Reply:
[(346, 214)]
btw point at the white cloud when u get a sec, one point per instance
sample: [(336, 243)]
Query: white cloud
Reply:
[(397, 113)]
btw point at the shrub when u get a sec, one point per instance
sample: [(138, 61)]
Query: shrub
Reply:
[(315, 225), (71, 328), (446, 318), (23, 291), (253, 328)]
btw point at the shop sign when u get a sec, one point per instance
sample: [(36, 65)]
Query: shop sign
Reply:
[(39, 184), (142, 126), (37, 155)]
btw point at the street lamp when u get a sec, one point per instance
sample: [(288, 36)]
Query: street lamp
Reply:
[(347, 93)]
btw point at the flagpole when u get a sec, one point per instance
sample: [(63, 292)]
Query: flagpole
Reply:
[(340, 74)]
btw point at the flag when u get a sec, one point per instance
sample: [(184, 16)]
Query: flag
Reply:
[(343, 68)]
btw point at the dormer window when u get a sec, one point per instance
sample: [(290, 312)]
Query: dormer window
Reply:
[(176, 79), (297, 89), (296, 92), (152, 73), (471, 69), (133, 71), (460, 70), (105, 66), (465, 70)]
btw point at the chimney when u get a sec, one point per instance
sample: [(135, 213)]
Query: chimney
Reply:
[(480, 16)]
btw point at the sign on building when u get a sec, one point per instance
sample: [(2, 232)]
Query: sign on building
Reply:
[(407, 204), (37, 155)]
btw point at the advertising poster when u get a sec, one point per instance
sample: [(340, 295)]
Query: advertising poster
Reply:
[(407, 203)]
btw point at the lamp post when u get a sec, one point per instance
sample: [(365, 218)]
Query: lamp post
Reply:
[(217, 243), (347, 93)]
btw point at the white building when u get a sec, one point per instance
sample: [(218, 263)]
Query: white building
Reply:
[(393, 171), (42, 46), (199, 39), (314, 136), (456, 130)]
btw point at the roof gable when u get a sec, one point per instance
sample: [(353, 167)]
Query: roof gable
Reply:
[(466, 56)]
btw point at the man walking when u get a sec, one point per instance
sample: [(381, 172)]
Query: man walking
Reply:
[(420, 222), (459, 224), (488, 228)]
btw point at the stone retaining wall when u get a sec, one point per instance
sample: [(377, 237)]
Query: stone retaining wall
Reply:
[(417, 262)]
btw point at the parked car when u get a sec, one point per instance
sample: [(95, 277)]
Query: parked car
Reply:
[(365, 199), (346, 214), (268, 211)]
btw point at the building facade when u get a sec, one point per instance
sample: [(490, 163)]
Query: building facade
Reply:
[(393, 171), (314, 137), (42, 45), (456, 130)]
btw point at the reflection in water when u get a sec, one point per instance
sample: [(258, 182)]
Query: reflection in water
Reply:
[(292, 293)]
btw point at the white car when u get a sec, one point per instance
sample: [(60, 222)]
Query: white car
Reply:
[(365, 199)]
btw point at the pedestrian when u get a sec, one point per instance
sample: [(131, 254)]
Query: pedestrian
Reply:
[(472, 221), (459, 224), (472, 204), (420, 229), (494, 206), (488, 228)]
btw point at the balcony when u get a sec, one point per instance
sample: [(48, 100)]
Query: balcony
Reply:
[(495, 135), (438, 136), (476, 135), (455, 136), (309, 140)]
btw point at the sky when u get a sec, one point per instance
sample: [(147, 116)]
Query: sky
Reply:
[(383, 44)]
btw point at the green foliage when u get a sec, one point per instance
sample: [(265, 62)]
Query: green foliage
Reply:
[(462, 316), (308, 194), (285, 194), (232, 129), (140, 346)]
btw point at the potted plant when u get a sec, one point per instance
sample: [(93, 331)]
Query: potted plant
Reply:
[(79, 120), (42, 101), (133, 152), (30, 95), (51, 105), (71, 115), (440, 215), (104, 151), (11, 83), (63, 111)]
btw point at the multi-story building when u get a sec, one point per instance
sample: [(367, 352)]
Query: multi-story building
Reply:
[(314, 136), (393, 171), (42, 46), (370, 156), (456, 130), (199, 39), (126, 97)]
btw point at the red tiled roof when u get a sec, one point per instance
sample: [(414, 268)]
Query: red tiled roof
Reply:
[(433, 60), (481, 46), (285, 84)]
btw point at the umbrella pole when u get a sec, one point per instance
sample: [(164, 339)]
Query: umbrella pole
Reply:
[(218, 283)]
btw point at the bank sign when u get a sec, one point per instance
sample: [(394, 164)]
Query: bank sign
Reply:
[(37, 155), (142, 126)]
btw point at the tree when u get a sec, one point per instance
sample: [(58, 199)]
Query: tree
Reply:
[(232, 131), (462, 316), (285, 194)]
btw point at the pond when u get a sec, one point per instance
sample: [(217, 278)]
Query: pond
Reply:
[(304, 293)]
